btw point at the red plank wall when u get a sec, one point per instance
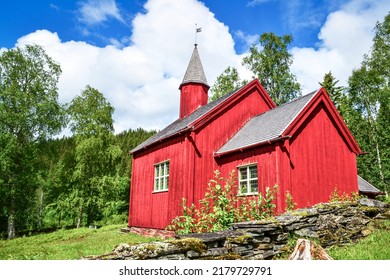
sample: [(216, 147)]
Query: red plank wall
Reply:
[(192, 163), (310, 165), (217, 132), (320, 161), (155, 210)]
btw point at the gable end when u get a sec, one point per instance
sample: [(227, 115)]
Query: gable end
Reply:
[(204, 114), (322, 97)]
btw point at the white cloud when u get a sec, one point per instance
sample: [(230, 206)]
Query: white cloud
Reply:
[(257, 2), (141, 80), (248, 39), (97, 11), (344, 38)]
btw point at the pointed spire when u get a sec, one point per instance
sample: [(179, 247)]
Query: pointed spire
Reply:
[(194, 73), (194, 87)]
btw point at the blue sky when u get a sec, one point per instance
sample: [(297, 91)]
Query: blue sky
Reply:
[(82, 21), (135, 52)]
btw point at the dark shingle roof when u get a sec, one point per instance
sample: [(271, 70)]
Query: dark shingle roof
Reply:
[(195, 73), (183, 124), (267, 126), (366, 187)]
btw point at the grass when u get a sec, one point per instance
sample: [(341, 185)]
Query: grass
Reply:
[(373, 247), (68, 244), (76, 243)]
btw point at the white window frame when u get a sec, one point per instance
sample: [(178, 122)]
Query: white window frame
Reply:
[(248, 180), (161, 176)]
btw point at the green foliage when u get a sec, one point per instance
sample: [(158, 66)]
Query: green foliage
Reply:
[(225, 83), (29, 113), (68, 244), (221, 206), (337, 196), (96, 156), (290, 203), (373, 247), (57, 199), (336, 93), (271, 65), (368, 116)]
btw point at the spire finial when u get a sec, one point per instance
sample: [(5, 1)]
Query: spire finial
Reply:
[(197, 30)]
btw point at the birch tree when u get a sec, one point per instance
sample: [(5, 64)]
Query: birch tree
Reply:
[(29, 112)]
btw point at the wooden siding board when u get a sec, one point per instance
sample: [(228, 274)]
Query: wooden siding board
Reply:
[(216, 131), (265, 159), (322, 161), (156, 210), (318, 157)]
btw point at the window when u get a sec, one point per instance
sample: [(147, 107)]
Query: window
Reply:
[(248, 181), (161, 176)]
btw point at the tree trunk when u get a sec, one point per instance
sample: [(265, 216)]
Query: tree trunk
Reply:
[(11, 221), (378, 157), (80, 217)]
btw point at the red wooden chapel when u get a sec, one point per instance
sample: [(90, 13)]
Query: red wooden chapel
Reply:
[(302, 146)]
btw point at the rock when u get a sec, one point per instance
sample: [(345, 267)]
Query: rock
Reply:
[(261, 240), (213, 237), (213, 252), (174, 257), (282, 238), (122, 248), (330, 224), (288, 219), (297, 226), (243, 250), (371, 203), (307, 232), (265, 247)]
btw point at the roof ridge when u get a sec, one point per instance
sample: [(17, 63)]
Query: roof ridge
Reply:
[(307, 102), (288, 103), (297, 99), (182, 124), (273, 123)]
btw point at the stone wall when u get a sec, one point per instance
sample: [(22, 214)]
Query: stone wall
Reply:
[(328, 224)]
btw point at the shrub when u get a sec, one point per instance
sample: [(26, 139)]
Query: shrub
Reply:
[(337, 196), (290, 203), (221, 206)]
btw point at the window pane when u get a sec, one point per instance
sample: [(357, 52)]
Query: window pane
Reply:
[(161, 176), (254, 186), (161, 183), (243, 187), (243, 173), (253, 172), (166, 168)]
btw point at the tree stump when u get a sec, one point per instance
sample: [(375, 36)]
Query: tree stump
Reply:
[(308, 250)]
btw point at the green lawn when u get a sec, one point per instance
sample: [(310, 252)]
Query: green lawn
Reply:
[(76, 243), (376, 246), (68, 244)]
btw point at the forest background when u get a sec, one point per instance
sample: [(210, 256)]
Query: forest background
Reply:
[(47, 182)]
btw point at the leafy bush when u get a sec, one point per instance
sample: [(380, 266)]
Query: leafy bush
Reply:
[(221, 206), (337, 196), (290, 203)]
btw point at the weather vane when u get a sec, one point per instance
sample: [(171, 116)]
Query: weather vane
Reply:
[(197, 30)]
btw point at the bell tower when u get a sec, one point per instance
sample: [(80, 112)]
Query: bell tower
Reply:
[(194, 87)]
